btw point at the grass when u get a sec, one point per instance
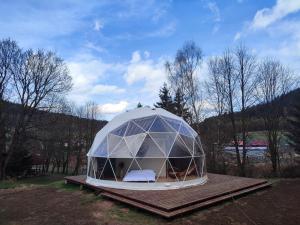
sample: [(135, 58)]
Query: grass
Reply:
[(55, 181)]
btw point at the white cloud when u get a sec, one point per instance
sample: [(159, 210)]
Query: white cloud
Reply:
[(105, 89), (94, 47), (112, 108), (98, 25), (213, 7), (237, 36), (146, 70), (88, 73), (265, 17)]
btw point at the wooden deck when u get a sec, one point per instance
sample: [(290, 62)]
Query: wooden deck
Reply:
[(171, 203)]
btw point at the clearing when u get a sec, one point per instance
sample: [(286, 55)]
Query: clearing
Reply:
[(47, 200)]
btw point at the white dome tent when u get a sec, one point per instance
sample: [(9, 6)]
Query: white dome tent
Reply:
[(146, 149)]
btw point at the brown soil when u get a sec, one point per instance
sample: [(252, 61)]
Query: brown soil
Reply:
[(45, 205)]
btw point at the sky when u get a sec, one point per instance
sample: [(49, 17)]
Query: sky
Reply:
[(116, 50)]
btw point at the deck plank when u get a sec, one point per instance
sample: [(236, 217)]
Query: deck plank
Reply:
[(169, 203)]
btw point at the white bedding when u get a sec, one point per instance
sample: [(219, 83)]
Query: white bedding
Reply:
[(140, 175)]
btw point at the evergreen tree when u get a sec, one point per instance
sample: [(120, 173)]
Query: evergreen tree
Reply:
[(166, 101), (139, 105), (294, 127), (180, 108)]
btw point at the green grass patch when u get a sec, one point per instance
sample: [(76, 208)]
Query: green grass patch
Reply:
[(8, 184), (55, 181)]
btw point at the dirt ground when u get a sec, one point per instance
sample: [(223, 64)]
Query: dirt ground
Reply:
[(56, 204)]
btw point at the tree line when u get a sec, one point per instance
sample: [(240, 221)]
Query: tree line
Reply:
[(236, 81), (34, 115)]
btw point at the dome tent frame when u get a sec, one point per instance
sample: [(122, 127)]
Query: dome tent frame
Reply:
[(148, 139)]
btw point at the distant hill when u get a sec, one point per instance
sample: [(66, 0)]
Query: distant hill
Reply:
[(255, 112)]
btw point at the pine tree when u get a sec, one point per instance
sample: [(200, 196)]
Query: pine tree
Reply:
[(180, 108), (166, 101), (139, 105), (294, 127)]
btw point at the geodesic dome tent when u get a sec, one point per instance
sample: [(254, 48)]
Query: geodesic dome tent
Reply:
[(146, 149)]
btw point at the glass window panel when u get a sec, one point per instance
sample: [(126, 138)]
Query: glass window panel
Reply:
[(155, 165), (159, 125), (113, 142), (185, 130), (102, 149), (134, 166), (149, 149), (145, 122), (134, 142), (189, 142), (100, 166), (164, 141), (121, 167), (121, 151), (192, 172), (107, 173), (120, 131), (198, 150), (91, 169), (133, 129), (200, 163), (179, 167), (179, 149), (174, 123)]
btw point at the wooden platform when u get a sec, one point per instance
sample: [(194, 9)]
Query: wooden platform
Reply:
[(171, 203)]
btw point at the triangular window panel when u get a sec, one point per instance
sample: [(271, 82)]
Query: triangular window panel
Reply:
[(133, 129), (171, 172), (184, 130), (181, 167), (113, 142), (152, 167), (145, 122), (164, 140), (107, 172), (91, 169), (198, 172), (162, 175), (149, 149), (200, 163), (120, 131), (173, 123), (189, 142), (159, 125), (179, 149), (121, 151), (134, 142), (102, 149), (191, 172), (133, 170), (198, 150), (100, 162)]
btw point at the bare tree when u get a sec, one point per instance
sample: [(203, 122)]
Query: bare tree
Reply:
[(245, 72), (9, 51), (216, 97), (39, 78), (183, 76), (227, 68), (274, 80)]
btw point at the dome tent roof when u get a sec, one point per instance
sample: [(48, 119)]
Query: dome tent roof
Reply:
[(159, 120), (146, 149)]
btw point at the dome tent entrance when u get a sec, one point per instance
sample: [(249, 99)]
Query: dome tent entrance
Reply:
[(146, 149)]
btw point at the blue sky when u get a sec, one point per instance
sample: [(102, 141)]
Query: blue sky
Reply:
[(116, 50)]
